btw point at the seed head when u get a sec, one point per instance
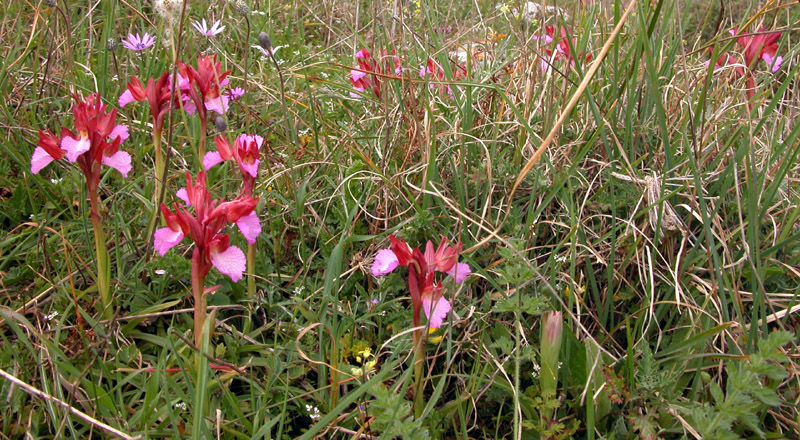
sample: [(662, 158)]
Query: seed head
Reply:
[(264, 41), (111, 44), (241, 8), (169, 10), (50, 2), (220, 123)]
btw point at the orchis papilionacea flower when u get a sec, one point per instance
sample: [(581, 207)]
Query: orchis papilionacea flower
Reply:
[(762, 45), (208, 31), (203, 86), (204, 228), (435, 71), (157, 94), (96, 143), (725, 59), (369, 71), (138, 43), (245, 152), (562, 49), (426, 294)]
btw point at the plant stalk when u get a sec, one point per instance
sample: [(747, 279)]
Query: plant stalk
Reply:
[(202, 146), (199, 297), (103, 265), (418, 382)]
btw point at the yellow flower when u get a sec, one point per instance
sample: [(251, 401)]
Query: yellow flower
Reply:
[(434, 339)]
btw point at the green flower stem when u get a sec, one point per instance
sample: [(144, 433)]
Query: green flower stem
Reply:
[(158, 195), (103, 265), (202, 146), (198, 294), (251, 270), (159, 161)]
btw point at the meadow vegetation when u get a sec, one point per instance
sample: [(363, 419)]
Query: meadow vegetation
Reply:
[(252, 219)]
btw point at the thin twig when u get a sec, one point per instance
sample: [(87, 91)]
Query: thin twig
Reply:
[(80, 414)]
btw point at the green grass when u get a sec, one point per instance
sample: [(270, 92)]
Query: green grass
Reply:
[(668, 332)]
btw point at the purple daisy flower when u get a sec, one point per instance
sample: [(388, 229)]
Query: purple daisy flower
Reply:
[(137, 43), (235, 94)]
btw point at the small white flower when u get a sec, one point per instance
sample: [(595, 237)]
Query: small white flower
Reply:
[(298, 290), (51, 316), (313, 412), (181, 406), (160, 271)]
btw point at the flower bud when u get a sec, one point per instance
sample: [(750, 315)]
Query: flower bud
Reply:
[(111, 44), (552, 327), (264, 41), (241, 7), (220, 123)]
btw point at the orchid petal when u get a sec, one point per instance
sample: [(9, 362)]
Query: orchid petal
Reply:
[(385, 262), (75, 147), (230, 262), (251, 168), (183, 195), (773, 62), (212, 158), (189, 107), (459, 272), (250, 226), (126, 98), (357, 74), (40, 159), (218, 104), (435, 310), (165, 239), (121, 132), (120, 161)]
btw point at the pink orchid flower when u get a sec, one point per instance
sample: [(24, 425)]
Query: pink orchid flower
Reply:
[(204, 228), (425, 293), (435, 72), (95, 142), (763, 45), (367, 75)]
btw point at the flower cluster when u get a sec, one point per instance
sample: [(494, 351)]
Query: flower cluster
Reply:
[(201, 87), (205, 225), (368, 73), (157, 93), (94, 142), (245, 152), (426, 293), (435, 72), (565, 40), (762, 45)]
